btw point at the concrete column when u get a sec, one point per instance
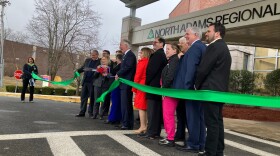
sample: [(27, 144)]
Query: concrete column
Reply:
[(128, 23)]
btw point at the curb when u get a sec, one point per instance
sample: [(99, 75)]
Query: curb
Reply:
[(74, 99)]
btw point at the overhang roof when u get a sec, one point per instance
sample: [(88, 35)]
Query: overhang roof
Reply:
[(254, 30), (137, 3)]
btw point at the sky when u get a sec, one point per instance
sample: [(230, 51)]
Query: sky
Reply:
[(18, 14)]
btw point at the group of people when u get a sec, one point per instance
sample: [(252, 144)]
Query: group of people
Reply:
[(189, 65)]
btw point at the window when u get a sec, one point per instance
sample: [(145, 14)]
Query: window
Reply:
[(245, 61), (265, 52), (264, 64)]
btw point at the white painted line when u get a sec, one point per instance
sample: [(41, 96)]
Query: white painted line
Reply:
[(248, 149), (58, 134), (253, 138), (61, 146), (133, 145)]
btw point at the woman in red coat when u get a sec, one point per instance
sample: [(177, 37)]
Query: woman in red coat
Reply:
[(140, 101)]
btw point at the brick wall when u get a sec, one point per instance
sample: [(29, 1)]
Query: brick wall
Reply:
[(187, 6), (16, 54), (181, 9)]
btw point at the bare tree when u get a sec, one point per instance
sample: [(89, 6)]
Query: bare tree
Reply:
[(16, 36), (60, 24)]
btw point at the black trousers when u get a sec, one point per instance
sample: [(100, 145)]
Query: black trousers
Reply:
[(103, 109), (106, 105), (87, 91), (25, 83), (127, 107), (154, 112), (181, 120), (215, 128)]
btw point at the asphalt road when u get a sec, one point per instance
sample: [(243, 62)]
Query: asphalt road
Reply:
[(48, 128)]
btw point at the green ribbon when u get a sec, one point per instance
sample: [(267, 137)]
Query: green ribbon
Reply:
[(62, 83), (201, 95)]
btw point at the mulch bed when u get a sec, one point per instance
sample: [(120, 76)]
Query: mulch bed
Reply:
[(251, 113)]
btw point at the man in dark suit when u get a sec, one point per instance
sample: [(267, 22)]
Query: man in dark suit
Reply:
[(213, 74), (87, 83), (127, 71), (157, 62), (185, 80)]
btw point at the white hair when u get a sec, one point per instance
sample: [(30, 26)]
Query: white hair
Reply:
[(183, 40), (127, 43), (196, 31)]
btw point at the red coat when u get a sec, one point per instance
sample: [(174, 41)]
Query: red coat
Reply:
[(140, 101)]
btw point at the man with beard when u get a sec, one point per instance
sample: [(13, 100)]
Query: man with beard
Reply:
[(213, 74)]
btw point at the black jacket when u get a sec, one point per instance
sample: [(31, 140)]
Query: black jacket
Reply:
[(102, 81), (214, 69), (27, 70), (157, 62), (116, 68), (86, 65), (168, 72)]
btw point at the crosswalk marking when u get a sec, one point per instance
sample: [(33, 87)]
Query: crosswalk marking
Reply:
[(61, 143), (248, 149), (253, 138), (61, 146), (133, 145)]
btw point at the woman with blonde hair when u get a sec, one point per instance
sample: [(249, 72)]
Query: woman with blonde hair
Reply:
[(169, 104), (101, 83), (140, 101)]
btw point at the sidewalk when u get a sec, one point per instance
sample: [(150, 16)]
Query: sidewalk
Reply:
[(264, 130)]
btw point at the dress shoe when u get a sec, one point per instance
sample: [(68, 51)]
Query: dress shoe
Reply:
[(179, 139), (143, 135), (202, 153), (118, 126), (139, 131), (124, 128), (147, 136), (80, 115), (166, 142), (94, 117), (115, 123), (186, 148), (107, 122)]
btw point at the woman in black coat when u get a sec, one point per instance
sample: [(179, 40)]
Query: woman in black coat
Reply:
[(27, 79)]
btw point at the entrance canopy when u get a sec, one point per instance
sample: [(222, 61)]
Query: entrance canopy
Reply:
[(137, 3), (251, 23)]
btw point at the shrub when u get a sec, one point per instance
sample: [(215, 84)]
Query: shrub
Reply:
[(37, 90), (71, 92), (10, 88), (59, 91), (242, 81), (47, 90), (20, 89), (272, 82)]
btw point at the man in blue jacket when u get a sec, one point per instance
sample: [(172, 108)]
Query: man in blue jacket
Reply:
[(127, 71), (185, 79)]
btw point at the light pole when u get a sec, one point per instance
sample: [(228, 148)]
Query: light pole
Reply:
[(3, 3)]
